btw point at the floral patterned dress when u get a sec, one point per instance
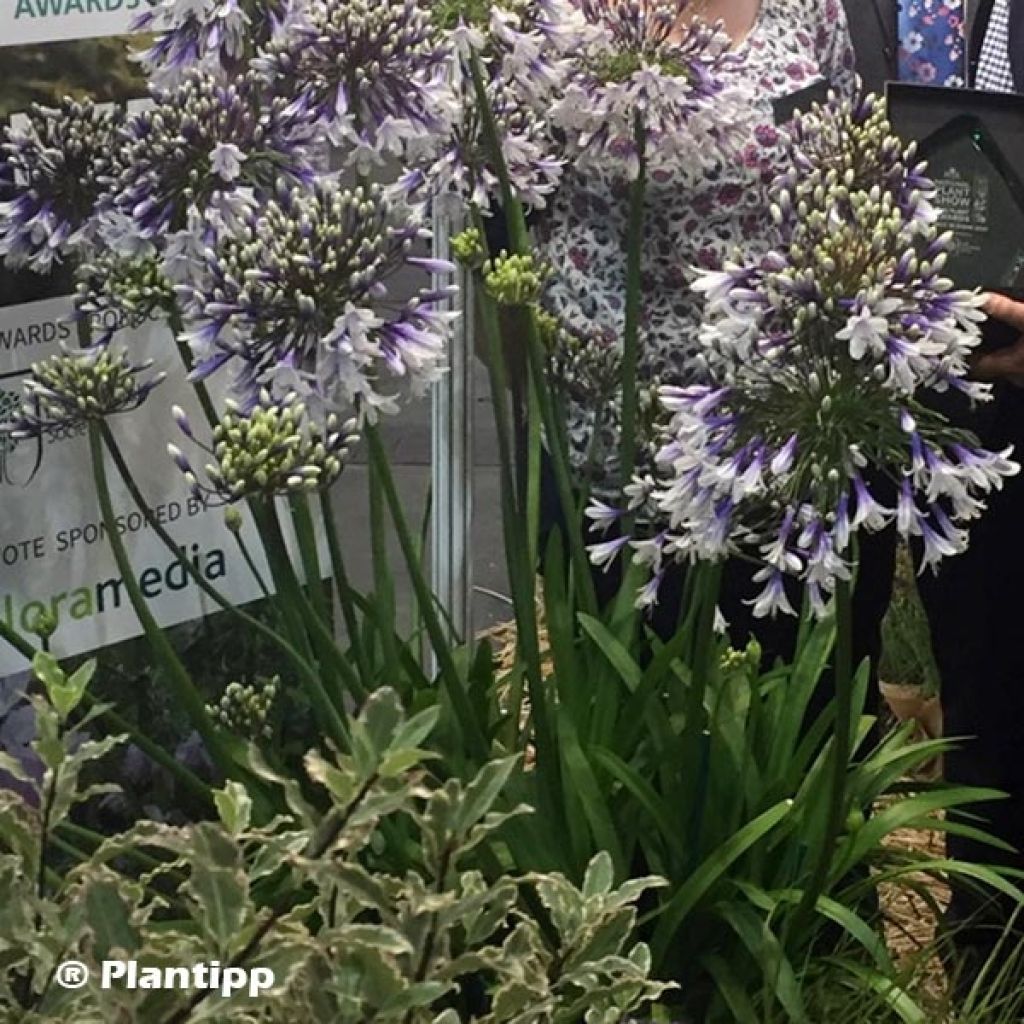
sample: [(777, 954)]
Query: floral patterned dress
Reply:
[(932, 44), (696, 217)]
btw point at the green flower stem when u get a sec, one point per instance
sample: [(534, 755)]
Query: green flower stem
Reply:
[(518, 550), (174, 321), (305, 533), (519, 237), (243, 550), (702, 666), (332, 660), (634, 289), (181, 683), (533, 450), (17, 641), (297, 608), (842, 750), (223, 602), (344, 589), (383, 583), (472, 729)]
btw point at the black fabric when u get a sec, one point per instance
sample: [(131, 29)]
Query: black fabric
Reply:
[(979, 26), (1017, 42), (873, 27), (974, 609)]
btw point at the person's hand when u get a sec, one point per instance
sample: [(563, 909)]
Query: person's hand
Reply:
[(1005, 363)]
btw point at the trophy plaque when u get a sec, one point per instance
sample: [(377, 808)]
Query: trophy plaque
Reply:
[(974, 144)]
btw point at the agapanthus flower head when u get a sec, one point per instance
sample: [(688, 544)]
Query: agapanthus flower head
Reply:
[(372, 71), (815, 424), (584, 365), (246, 709), (272, 448), (208, 143), (522, 51), (302, 291), (514, 279), (644, 83), (217, 35), (76, 387), (457, 162), (55, 165), (113, 292)]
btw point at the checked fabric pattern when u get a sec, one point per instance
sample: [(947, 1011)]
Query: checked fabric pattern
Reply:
[(995, 72)]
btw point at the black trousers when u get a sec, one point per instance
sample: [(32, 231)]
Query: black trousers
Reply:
[(975, 609)]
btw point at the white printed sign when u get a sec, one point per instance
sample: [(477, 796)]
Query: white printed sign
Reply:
[(53, 551), (51, 21)]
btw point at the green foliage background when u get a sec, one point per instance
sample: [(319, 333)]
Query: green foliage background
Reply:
[(101, 68)]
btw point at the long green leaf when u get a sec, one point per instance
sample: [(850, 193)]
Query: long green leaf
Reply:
[(645, 795), (699, 884), (731, 989), (765, 949), (617, 654)]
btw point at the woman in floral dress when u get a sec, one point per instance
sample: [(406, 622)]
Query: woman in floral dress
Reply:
[(787, 53)]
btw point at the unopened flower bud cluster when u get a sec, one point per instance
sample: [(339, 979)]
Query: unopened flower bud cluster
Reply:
[(514, 280), (114, 291), (246, 709), (73, 388), (272, 449)]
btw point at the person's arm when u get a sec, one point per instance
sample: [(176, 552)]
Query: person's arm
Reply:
[(834, 45), (1004, 363)]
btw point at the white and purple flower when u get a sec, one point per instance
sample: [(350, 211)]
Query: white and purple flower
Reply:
[(371, 71), (208, 145), (52, 178), (300, 292), (647, 83), (814, 425)]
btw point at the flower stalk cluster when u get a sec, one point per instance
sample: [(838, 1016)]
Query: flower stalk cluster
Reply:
[(272, 449), (74, 388), (211, 145), (515, 280), (371, 71), (300, 293), (647, 64), (219, 36), (112, 291), (52, 178), (245, 709), (816, 423)]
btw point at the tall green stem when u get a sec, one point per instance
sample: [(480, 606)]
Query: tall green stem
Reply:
[(519, 237), (634, 291), (706, 594), (184, 689), (383, 583), (842, 750), (117, 456), (344, 590), (466, 716), (301, 616), (305, 533)]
